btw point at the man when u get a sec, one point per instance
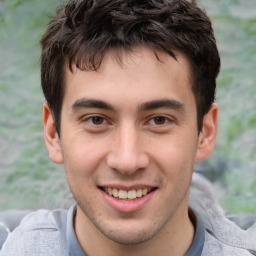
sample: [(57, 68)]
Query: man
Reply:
[(130, 90)]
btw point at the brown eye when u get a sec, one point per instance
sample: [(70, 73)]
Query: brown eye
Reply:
[(97, 120), (159, 120)]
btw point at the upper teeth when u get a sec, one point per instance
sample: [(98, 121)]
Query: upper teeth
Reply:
[(124, 194)]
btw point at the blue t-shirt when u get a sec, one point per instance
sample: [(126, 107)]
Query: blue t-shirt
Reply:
[(74, 247)]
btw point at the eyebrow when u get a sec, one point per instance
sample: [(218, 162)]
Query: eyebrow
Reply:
[(91, 103), (162, 103)]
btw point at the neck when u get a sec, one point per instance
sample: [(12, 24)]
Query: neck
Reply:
[(174, 239)]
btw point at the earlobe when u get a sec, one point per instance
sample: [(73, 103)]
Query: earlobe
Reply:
[(51, 136), (207, 136)]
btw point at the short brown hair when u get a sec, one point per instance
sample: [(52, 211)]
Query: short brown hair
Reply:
[(83, 30)]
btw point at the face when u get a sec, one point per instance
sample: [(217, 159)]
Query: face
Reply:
[(129, 141)]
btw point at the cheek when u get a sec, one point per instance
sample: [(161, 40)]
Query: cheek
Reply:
[(175, 156), (82, 155)]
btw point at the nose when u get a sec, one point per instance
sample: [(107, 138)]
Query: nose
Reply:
[(127, 155)]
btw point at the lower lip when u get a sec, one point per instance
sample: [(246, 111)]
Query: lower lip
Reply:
[(127, 206)]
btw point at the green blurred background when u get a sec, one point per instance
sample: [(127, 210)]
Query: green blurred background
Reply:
[(27, 177)]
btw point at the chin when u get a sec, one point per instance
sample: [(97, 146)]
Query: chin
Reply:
[(131, 233), (129, 238)]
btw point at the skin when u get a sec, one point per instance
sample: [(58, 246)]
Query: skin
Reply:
[(131, 125)]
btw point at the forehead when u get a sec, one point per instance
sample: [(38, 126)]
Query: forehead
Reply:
[(140, 74)]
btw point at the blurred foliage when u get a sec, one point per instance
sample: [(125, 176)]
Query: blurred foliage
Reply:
[(232, 167), (29, 179)]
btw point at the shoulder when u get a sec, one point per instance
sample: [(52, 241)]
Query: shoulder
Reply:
[(40, 233), (222, 236), (216, 247)]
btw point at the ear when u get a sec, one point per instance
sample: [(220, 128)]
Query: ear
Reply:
[(51, 136), (207, 136)]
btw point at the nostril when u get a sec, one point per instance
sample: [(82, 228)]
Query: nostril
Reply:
[(128, 164)]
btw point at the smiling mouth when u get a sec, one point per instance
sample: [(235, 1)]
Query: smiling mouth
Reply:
[(133, 194)]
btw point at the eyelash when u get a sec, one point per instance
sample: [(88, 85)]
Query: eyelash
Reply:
[(89, 120), (154, 119)]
